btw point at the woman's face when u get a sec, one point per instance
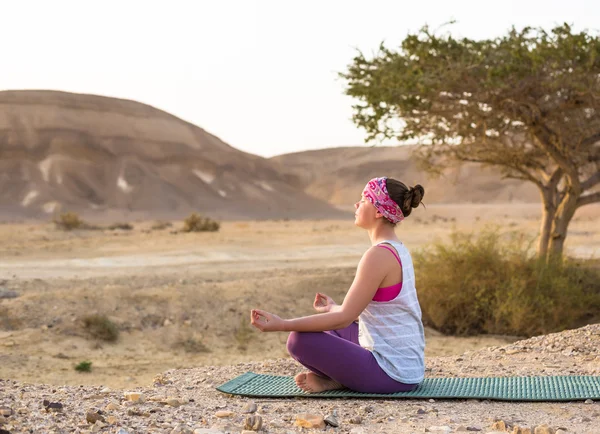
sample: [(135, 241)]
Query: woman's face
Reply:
[(364, 215)]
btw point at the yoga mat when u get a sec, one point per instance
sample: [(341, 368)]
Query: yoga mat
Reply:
[(555, 388)]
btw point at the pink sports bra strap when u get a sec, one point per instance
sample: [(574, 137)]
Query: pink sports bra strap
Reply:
[(393, 253)]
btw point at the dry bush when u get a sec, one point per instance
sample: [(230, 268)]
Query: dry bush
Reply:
[(191, 345), (100, 327), (243, 334), (197, 223), (495, 285), (160, 225), (122, 226), (68, 221)]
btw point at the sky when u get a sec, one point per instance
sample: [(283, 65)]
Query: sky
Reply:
[(262, 75)]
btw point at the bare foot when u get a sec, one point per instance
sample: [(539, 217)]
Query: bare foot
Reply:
[(312, 383)]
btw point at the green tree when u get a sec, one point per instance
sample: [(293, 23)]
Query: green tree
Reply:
[(527, 102)]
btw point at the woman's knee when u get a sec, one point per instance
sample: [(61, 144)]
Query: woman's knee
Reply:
[(296, 342)]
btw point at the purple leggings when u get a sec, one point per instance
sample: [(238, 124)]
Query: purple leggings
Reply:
[(336, 354)]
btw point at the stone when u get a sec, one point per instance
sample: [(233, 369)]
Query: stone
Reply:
[(52, 406), (543, 429), (6, 411), (499, 425), (249, 408), (253, 423), (442, 429), (307, 420), (122, 431), (175, 402), (182, 429), (134, 396), (356, 420), (112, 406), (520, 430), (111, 420), (224, 413), (207, 431), (94, 416), (331, 420), (589, 401)]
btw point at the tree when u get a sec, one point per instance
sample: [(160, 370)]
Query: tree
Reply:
[(527, 102)]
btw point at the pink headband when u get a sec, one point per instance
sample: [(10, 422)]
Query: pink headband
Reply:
[(376, 192)]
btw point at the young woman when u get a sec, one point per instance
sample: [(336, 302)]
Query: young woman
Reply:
[(384, 351)]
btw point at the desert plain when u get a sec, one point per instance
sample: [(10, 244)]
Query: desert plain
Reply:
[(182, 300)]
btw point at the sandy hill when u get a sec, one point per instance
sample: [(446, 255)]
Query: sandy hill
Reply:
[(339, 174), (97, 155)]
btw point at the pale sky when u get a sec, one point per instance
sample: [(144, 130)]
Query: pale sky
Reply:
[(261, 75)]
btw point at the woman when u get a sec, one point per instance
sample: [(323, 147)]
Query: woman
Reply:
[(384, 352)]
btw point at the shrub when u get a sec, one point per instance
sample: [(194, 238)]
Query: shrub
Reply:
[(100, 327), (122, 226), (68, 221), (191, 345), (160, 225), (85, 366), (197, 223), (494, 284)]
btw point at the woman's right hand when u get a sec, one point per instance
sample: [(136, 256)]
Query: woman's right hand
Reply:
[(323, 303)]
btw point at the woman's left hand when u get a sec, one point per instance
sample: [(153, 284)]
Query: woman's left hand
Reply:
[(265, 321)]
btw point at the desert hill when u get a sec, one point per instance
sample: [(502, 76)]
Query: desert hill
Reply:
[(96, 155), (339, 174)]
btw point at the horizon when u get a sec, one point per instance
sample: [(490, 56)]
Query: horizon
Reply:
[(286, 96)]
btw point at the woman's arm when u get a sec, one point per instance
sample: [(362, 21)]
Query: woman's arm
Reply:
[(371, 271)]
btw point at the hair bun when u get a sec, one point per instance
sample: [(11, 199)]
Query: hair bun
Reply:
[(415, 195)]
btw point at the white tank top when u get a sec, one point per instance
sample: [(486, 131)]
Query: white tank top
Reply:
[(393, 330)]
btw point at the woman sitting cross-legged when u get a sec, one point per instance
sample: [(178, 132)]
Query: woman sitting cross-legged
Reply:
[(384, 351)]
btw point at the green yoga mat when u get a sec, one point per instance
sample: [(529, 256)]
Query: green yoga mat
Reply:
[(559, 388)]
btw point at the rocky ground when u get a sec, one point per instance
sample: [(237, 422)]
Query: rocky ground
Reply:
[(185, 401)]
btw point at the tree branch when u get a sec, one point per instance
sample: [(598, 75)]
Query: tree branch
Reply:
[(591, 140), (587, 199), (591, 181)]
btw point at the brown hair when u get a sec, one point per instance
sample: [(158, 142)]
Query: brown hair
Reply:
[(406, 198)]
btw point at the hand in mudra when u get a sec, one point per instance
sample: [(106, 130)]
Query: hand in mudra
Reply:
[(323, 303), (265, 321)]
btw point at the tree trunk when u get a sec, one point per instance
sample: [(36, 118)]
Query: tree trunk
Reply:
[(548, 214), (563, 216)]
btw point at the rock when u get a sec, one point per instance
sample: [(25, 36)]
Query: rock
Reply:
[(6, 411), (182, 429), (357, 420), (308, 420), (473, 428), (111, 420), (175, 402), (331, 420), (224, 413), (207, 431), (249, 408), (589, 401), (122, 431), (499, 425), (560, 431), (134, 396), (94, 416), (543, 429), (98, 426), (52, 406), (519, 430), (253, 423), (112, 406), (442, 429)]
